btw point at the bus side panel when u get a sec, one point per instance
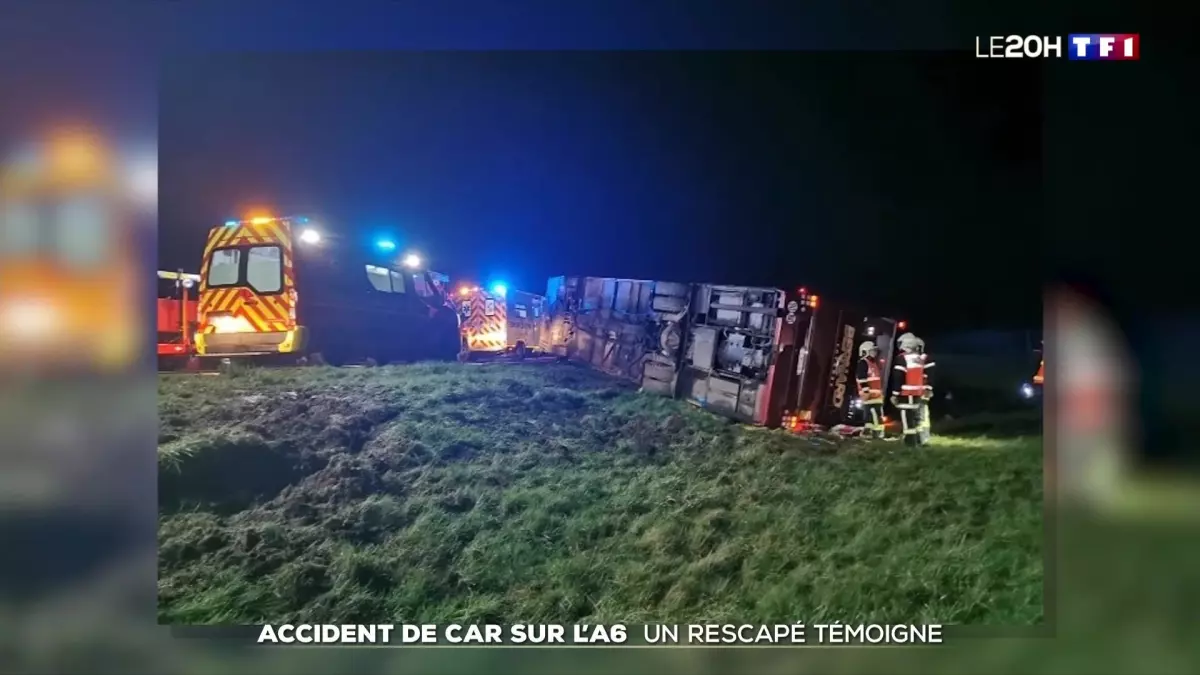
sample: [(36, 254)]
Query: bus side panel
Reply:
[(524, 319), (628, 328)]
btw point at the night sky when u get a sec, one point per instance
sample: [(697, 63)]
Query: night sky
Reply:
[(903, 183)]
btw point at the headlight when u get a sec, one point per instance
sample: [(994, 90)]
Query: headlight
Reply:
[(1027, 390), (225, 323), (29, 318)]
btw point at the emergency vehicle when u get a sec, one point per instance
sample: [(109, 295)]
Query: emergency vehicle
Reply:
[(68, 258), (1033, 390), (178, 317), (764, 356), (280, 289), (497, 321)]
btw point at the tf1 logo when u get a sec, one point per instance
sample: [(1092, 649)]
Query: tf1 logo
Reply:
[(1077, 47)]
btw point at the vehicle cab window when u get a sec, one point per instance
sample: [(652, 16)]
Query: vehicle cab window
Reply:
[(264, 269), (397, 282), (81, 232), (422, 286), (18, 229), (223, 267)]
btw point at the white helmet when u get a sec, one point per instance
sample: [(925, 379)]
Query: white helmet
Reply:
[(909, 342), (866, 348)]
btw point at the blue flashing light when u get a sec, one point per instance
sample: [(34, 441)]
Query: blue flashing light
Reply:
[(385, 245), (231, 223), (499, 289), (302, 219)]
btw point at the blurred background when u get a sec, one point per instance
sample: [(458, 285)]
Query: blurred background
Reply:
[(77, 395)]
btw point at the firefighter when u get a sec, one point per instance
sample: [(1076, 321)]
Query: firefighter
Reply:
[(1040, 378), (912, 389), (870, 387)]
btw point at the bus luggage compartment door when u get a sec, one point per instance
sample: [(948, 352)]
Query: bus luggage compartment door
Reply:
[(729, 350)]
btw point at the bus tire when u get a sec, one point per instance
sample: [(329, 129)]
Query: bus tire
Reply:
[(519, 351)]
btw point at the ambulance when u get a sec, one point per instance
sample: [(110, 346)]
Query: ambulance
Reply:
[(283, 290), (69, 255), (495, 321), (766, 356)]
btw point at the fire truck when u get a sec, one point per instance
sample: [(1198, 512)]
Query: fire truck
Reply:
[(279, 289), (764, 356), (178, 318), (496, 321)]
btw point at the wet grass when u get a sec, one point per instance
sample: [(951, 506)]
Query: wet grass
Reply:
[(542, 493)]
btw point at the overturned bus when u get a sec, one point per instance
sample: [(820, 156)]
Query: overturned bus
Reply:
[(764, 356), (279, 288)]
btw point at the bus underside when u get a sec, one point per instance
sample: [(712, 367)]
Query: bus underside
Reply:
[(759, 355)]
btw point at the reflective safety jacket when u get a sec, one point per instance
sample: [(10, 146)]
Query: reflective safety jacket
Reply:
[(870, 381), (912, 372)]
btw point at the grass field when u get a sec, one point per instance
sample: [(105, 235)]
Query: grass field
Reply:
[(543, 493)]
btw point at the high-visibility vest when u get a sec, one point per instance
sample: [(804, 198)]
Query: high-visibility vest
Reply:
[(1041, 373), (913, 371), (871, 389)]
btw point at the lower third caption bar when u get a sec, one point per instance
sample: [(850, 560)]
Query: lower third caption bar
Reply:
[(600, 635)]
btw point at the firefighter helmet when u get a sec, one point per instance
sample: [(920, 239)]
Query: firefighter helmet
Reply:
[(866, 348), (909, 342)]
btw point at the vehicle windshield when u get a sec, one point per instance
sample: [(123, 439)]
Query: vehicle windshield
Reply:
[(82, 232), (74, 231), (19, 229), (259, 268), (264, 269), (223, 267)]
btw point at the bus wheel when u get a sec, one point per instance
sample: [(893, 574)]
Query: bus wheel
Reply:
[(520, 351)]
